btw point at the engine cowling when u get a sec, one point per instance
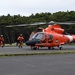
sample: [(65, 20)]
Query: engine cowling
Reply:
[(58, 30)]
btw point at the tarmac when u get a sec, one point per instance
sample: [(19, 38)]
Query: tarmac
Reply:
[(15, 51)]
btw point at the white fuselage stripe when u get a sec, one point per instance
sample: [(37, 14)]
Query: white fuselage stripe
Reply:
[(70, 37)]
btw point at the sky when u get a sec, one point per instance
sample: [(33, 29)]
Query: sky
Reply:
[(28, 7)]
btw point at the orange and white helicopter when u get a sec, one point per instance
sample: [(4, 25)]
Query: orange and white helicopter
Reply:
[(52, 36)]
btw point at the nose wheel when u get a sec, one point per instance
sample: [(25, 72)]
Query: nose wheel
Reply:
[(50, 47), (60, 47), (34, 47)]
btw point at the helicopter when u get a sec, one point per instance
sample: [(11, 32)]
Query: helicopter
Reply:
[(52, 36)]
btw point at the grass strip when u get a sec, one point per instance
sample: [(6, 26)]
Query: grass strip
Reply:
[(38, 53)]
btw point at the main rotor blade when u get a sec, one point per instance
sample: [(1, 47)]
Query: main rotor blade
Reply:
[(17, 25), (64, 23), (32, 24), (43, 23), (38, 23)]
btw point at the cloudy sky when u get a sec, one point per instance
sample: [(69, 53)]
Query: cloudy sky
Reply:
[(27, 7)]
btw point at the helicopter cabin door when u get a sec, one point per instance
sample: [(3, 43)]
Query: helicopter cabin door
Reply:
[(43, 40), (50, 38)]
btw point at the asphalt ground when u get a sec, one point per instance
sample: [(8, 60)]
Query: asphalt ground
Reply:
[(26, 50), (63, 64), (24, 61)]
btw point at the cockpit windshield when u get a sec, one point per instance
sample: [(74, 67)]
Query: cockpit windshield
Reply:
[(39, 36)]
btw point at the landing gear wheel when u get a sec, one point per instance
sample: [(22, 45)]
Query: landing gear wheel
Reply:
[(34, 48), (60, 48), (52, 47), (49, 47)]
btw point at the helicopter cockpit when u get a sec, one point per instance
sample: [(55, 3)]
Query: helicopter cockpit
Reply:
[(36, 38), (39, 36)]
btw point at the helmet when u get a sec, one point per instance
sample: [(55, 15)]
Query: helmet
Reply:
[(1, 35), (20, 34)]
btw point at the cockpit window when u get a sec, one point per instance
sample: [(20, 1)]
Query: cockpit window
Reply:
[(50, 36), (39, 36)]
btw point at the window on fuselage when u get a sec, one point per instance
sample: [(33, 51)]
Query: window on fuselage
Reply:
[(40, 36), (50, 38)]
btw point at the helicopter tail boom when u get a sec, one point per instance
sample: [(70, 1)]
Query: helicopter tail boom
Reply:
[(73, 38)]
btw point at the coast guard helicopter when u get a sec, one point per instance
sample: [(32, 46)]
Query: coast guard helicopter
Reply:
[(52, 36)]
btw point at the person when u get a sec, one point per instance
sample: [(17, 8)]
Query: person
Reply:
[(1, 40), (31, 35), (20, 40)]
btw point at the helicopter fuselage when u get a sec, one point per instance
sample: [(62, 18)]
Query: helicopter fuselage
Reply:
[(52, 36)]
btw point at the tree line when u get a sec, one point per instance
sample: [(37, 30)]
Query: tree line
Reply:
[(11, 34)]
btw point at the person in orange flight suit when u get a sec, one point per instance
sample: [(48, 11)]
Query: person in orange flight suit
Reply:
[(20, 39), (1, 41)]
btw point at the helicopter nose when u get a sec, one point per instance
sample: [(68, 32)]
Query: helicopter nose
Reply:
[(30, 43)]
